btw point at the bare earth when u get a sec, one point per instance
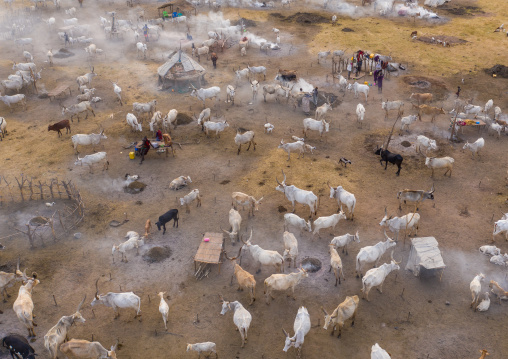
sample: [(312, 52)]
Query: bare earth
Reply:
[(410, 319)]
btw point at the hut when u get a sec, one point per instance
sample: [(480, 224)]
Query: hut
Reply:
[(180, 71), (177, 7), (425, 257)]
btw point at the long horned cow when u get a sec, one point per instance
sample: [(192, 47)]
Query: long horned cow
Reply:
[(294, 193), (117, 300)]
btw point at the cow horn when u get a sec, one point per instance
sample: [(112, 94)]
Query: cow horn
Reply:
[(386, 213), (284, 181), (81, 304), (17, 267), (323, 309), (221, 297), (432, 189), (116, 345), (328, 183), (278, 181), (285, 333), (97, 288), (223, 230)]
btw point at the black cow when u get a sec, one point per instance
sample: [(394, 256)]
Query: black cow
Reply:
[(387, 156), (172, 214), (18, 346)]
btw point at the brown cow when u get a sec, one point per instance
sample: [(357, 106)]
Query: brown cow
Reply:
[(421, 97), (428, 110), (60, 126)]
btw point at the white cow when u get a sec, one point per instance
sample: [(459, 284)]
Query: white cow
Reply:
[(301, 328), (294, 193), (241, 318), (376, 276), (133, 122), (372, 254), (344, 240), (327, 222), (395, 224), (379, 353), (203, 94), (293, 220), (357, 88), (343, 197)]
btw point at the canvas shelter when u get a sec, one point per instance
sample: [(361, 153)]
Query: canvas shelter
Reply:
[(425, 256), (180, 71)]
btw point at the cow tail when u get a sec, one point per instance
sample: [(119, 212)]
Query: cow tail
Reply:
[(357, 264), (264, 289)]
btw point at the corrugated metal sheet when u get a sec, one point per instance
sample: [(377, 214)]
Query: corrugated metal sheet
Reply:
[(424, 253)]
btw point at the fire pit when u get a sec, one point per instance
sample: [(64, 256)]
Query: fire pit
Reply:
[(311, 265)]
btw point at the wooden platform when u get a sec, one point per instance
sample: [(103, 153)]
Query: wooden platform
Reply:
[(210, 252), (59, 90)]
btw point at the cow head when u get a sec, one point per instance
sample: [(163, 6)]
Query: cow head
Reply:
[(430, 194), (158, 224), (356, 237), (384, 221), (225, 305), (97, 298), (282, 186), (247, 244), (332, 190), (232, 235), (290, 342), (328, 318), (112, 352), (77, 317)]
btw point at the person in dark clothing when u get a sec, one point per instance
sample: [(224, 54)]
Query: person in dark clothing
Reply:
[(145, 32), (80, 3), (158, 136), (66, 38), (145, 147), (380, 78), (458, 91), (315, 95), (214, 59)]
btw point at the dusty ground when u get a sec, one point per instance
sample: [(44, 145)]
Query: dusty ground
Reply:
[(410, 319)]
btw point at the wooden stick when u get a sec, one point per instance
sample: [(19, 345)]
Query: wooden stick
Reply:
[(56, 305)]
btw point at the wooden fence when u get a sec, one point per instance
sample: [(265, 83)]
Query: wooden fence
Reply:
[(24, 189)]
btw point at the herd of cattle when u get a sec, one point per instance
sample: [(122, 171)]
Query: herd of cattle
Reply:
[(56, 339)]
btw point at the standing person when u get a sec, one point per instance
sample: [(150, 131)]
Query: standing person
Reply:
[(380, 78), (349, 69), (353, 64), (66, 38), (306, 104), (376, 72), (214, 59), (315, 95), (145, 32), (80, 3), (458, 91), (158, 136), (145, 147), (359, 61)]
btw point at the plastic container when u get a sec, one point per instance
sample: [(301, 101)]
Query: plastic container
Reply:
[(206, 239), (132, 155)]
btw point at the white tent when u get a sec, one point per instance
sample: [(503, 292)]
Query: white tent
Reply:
[(424, 254)]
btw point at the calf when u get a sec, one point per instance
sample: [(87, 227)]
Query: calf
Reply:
[(422, 97), (500, 226), (208, 347), (245, 279), (498, 291), (172, 214), (189, 198), (290, 248), (283, 282), (57, 127), (293, 146), (475, 286), (490, 250), (441, 162), (336, 264), (387, 156), (327, 222), (426, 142), (347, 309), (409, 195), (180, 182), (395, 224), (90, 160), (242, 199), (343, 197), (293, 220), (235, 220), (376, 277), (344, 240), (475, 147), (18, 346), (407, 121)]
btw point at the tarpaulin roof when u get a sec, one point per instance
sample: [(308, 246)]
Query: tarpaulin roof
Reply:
[(180, 57), (424, 253)]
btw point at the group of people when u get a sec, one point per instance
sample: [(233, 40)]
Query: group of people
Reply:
[(356, 63)]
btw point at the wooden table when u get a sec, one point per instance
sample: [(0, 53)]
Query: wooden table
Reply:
[(481, 125), (59, 90), (208, 253)]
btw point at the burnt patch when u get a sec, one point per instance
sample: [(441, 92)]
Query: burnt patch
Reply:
[(157, 254)]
